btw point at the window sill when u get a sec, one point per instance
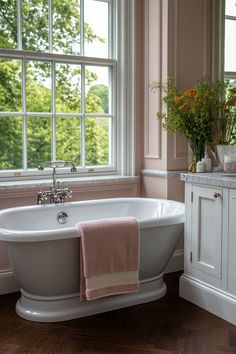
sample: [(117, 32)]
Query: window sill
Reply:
[(67, 182)]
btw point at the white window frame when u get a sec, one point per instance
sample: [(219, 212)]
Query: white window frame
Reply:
[(123, 71), (218, 52), (229, 74)]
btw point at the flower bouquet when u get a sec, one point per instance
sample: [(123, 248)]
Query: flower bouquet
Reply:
[(204, 114)]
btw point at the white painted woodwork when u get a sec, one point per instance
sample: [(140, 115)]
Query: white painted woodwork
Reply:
[(209, 278), (232, 243), (152, 72), (207, 230)]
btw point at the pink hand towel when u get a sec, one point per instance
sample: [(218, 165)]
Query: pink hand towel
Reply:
[(109, 257)]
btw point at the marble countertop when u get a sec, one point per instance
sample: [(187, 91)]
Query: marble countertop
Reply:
[(216, 179)]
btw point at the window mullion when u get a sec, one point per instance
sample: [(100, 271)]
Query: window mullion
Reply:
[(110, 31), (19, 26), (50, 41), (113, 125), (53, 103), (230, 74), (11, 53), (81, 27), (24, 126), (228, 17), (83, 148)]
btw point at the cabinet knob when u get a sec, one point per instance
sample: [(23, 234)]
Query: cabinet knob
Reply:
[(216, 195)]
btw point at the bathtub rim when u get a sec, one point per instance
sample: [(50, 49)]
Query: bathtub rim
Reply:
[(12, 235)]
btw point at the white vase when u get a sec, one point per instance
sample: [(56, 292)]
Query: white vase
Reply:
[(222, 150)]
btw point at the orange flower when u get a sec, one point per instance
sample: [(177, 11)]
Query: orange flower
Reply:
[(178, 99), (183, 106), (186, 93), (190, 93)]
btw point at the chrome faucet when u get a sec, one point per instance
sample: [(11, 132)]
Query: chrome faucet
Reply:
[(57, 192)]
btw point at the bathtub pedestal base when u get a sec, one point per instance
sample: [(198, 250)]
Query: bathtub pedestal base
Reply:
[(68, 307)]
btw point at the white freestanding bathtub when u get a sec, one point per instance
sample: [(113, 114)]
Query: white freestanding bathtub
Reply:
[(44, 253)]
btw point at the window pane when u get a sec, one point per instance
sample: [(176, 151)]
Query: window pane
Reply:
[(10, 142), (96, 28), (231, 81), (66, 27), (38, 86), (8, 24), (10, 85), (230, 48), (39, 140), (35, 32), (97, 141), (68, 139), (97, 89), (230, 7), (68, 89)]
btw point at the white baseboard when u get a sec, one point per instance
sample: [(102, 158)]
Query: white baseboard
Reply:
[(216, 301), (8, 283), (176, 263)]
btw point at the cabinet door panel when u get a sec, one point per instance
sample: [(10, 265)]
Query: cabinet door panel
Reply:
[(207, 230), (232, 243)]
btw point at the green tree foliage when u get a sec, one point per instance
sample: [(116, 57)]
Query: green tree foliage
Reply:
[(8, 24), (11, 142), (10, 85), (35, 25), (100, 91), (38, 91), (68, 95), (66, 40), (69, 131), (39, 140)]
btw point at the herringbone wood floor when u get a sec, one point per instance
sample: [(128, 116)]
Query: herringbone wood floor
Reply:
[(166, 326)]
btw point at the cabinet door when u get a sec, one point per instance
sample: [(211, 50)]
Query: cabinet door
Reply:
[(232, 243), (207, 230)]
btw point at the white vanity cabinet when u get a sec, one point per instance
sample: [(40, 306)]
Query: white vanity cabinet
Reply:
[(209, 278)]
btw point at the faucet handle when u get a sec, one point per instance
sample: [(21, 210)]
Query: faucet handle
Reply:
[(73, 169), (41, 196), (44, 195), (69, 193)]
